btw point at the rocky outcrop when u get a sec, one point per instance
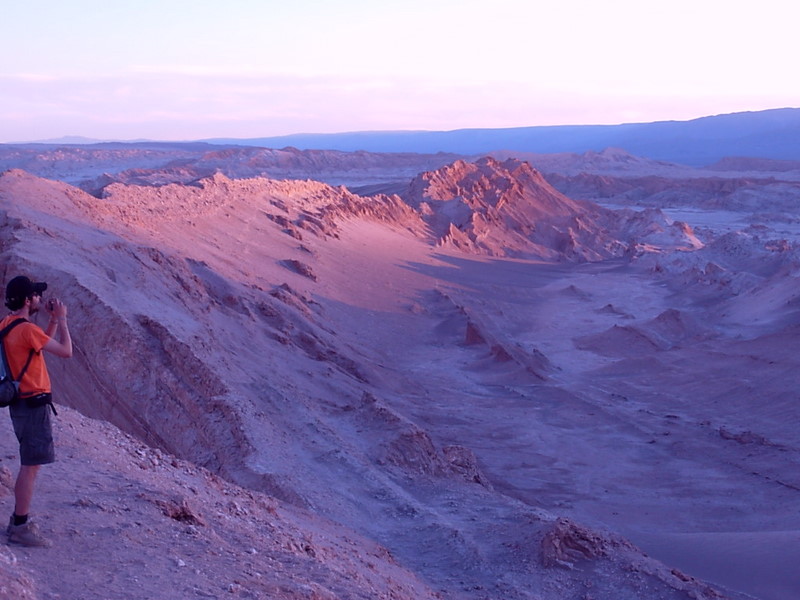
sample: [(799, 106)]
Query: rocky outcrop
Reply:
[(671, 329), (566, 543), (650, 230), (508, 209)]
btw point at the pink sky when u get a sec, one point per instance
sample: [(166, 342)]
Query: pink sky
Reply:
[(189, 69)]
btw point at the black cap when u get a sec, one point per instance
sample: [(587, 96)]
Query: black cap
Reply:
[(20, 288)]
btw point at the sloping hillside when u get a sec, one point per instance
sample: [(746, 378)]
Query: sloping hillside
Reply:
[(319, 349)]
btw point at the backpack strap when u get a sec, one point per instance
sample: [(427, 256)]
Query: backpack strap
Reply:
[(25, 368), (7, 329)]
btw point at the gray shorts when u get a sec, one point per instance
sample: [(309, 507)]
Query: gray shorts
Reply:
[(34, 432)]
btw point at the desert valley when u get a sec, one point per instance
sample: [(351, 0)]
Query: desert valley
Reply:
[(330, 375)]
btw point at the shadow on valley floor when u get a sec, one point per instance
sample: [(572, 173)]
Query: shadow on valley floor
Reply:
[(479, 272)]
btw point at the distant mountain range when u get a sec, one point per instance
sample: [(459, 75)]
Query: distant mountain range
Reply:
[(773, 134), (769, 134)]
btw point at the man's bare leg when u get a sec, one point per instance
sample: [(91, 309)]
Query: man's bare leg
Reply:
[(23, 489)]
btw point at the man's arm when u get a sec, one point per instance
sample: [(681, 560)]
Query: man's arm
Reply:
[(52, 326), (61, 346)]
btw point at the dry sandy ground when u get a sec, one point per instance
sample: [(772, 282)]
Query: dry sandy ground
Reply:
[(446, 406), (679, 437), (669, 412), (130, 522)]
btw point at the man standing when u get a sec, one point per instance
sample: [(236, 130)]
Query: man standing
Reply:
[(30, 414)]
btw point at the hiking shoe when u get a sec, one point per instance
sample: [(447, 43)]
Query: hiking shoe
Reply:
[(27, 535)]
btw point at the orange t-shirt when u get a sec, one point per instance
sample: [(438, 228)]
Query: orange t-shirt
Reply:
[(18, 343)]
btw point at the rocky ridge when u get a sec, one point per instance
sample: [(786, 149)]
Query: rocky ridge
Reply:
[(509, 209), (95, 166)]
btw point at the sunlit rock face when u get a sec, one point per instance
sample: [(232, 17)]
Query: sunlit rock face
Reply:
[(508, 209)]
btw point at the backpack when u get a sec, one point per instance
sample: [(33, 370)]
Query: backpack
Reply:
[(9, 386)]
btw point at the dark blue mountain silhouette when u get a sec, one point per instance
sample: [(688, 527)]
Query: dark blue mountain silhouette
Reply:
[(764, 134)]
